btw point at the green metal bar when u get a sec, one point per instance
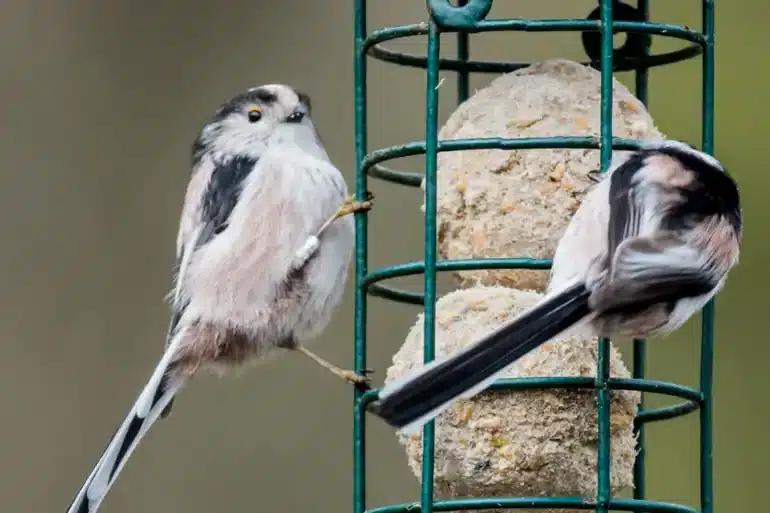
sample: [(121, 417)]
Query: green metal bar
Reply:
[(525, 143), (463, 54), (412, 179), (641, 450), (664, 413), (408, 178), (586, 383), (376, 50), (707, 328), (536, 503), (412, 268), (544, 25), (692, 404), (642, 73), (640, 346), (603, 495), (474, 66), (418, 298), (656, 387), (359, 329), (398, 295), (429, 320), (490, 503)]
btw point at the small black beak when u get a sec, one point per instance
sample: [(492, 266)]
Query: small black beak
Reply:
[(296, 116)]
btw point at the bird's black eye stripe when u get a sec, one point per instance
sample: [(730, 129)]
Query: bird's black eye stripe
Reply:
[(295, 117)]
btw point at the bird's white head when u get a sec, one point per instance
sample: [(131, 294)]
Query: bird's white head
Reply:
[(262, 117)]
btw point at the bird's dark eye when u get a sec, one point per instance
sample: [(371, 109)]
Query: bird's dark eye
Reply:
[(255, 115), (295, 117)]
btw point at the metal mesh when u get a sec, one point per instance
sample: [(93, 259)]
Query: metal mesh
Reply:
[(469, 16)]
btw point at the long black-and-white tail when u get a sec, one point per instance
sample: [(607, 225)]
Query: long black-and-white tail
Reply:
[(413, 401), (153, 403), (155, 397)]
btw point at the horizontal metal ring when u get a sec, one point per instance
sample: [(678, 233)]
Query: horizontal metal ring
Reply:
[(372, 45), (581, 382), (528, 143), (537, 502), (372, 287), (693, 397)]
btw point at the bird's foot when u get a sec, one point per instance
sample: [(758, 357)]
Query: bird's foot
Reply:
[(352, 205), (354, 378), (348, 375)]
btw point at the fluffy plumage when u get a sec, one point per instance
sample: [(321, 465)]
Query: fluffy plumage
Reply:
[(254, 272), (650, 245)]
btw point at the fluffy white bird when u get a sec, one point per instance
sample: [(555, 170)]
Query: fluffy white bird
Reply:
[(649, 246), (263, 251)]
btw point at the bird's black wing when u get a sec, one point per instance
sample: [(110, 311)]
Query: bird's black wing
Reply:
[(221, 195), (625, 208)]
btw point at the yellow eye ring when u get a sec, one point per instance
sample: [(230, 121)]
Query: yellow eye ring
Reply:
[(255, 114)]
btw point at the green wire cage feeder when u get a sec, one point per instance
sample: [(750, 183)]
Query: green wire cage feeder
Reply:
[(463, 18)]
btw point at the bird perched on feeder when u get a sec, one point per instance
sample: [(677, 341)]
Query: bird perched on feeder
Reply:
[(649, 246), (263, 250)]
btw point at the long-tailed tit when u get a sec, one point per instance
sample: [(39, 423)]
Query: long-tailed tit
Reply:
[(649, 246), (261, 262)]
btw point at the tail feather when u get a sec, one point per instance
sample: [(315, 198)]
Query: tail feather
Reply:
[(154, 399), (412, 402)]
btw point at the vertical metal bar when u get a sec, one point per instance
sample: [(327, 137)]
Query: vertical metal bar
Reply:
[(706, 416), (463, 54), (707, 320), (429, 321), (359, 418), (641, 450), (606, 83), (642, 73), (603, 371), (640, 346)]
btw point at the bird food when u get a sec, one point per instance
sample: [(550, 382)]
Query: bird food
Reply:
[(502, 203), (518, 443)]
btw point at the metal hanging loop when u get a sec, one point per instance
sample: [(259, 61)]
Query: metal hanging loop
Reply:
[(632, 52)]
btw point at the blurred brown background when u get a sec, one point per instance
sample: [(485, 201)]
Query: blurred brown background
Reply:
[(100, 103)]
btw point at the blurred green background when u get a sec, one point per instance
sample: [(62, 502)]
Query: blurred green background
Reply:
[(100, 103)]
